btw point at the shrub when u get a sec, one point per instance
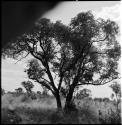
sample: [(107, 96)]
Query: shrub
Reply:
[(25, 98), (113, 117), (10, 117)]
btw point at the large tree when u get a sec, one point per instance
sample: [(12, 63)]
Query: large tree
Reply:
[(66, 57)]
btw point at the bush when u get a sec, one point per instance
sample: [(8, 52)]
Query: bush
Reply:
[(25, 98), (10, 117), (111, 118)]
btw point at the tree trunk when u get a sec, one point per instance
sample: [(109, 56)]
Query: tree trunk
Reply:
[(68, 104), (58, 101)]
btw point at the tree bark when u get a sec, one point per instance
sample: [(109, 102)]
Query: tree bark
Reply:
[(68, 104), (69, 97), (58, 101)]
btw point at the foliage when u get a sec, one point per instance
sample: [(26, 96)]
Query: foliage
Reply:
[(116, 89), (106, 99), (84, 93), (19, 90), (111, 118), (28, 85), (98, 99)]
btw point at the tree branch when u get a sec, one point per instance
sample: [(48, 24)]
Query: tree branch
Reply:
[(45, 80), (100, 40), (50, 75), (100, 83), (60, 82), (98, 53), (61, 73), (31, 50), (22, 58), (45, 64), (44, 84), (78, 57), (42, 47)]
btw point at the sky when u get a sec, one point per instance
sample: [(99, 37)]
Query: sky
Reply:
[(13, 74)]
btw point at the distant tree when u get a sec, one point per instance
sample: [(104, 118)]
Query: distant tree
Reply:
[(106, 99), (28, 85), (45, 92), (2, 91), (33, 95), (73, 54), (38, 92), (98, 99), (84, 93), (117, 90), (19, 90), (9, 92)]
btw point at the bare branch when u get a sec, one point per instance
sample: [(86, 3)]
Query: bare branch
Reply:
[(44, 84), (31, 51), (45, 80), (100, 83), (100, 40), (22, 58), (98, 53), (42, 47)]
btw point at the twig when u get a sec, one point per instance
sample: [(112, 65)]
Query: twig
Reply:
[(22, 58)]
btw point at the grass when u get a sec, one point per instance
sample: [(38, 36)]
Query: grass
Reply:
[(22, 110)]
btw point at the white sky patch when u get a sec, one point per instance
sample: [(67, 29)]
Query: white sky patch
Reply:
[(13, 74), (67, 10), (99, 91), (112, 13)]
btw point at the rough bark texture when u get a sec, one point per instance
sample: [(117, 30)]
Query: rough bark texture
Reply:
[(68, 104), (58, 101)]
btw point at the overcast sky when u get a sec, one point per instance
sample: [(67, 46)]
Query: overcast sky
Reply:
[(13, 74)]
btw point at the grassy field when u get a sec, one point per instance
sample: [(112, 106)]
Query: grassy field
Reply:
[(23, 110)]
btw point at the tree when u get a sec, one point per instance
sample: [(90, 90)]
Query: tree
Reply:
[(19, 90), (84, 93), (39, 94), (98, 99), (28, 85), (69, 56), (117, 90), (106, 99), (2, 91)]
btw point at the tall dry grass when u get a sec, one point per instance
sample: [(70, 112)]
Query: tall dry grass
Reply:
[(23, 110)]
